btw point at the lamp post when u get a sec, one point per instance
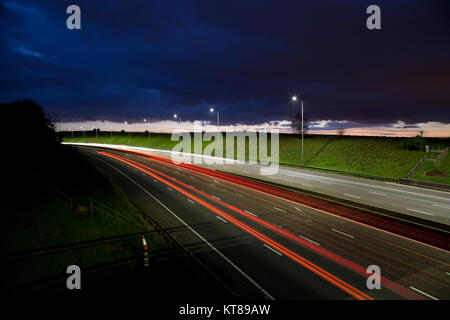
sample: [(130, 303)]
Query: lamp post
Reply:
[(145, 120), (84, 135), (179, 118), (294, 99), (212, 110), (129, 132)]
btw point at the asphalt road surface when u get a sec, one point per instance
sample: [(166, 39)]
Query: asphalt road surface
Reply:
[(428, 204), (267, 243)]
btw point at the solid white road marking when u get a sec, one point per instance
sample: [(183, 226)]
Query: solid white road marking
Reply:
[(222, 219), (350, 195), (438, 205), (309, 240), (269, 247), (343, 233), (216, 197), (268, 295), (424, 293), (414, 210), (279, 209), (378, 193), (250, 213)]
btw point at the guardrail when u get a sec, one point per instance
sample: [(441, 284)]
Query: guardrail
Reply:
[(417, 166), (97, 206), (133, 260), (53, 191), (425, 184), (442, 155)]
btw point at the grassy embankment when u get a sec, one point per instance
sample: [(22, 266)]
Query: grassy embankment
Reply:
[(34, 219), (381, 156), (441, 172)]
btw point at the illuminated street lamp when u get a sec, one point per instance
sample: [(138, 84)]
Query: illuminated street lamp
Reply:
[(212, 110), (145, 120), (294, 99), (179, 118)]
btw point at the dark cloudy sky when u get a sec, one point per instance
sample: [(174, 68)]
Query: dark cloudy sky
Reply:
[(135, 59)]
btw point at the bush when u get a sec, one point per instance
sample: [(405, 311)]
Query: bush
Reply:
[(417, 143)]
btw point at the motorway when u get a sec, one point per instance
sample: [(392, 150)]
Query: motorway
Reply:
[(428, 204), (264, 242)]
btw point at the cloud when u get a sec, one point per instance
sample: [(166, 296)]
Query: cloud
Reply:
[(12, 5), (28, 52), (150, 59), (431, 129)]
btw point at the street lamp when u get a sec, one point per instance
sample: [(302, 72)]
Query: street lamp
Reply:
[(179, 118), (145, 120), (294, 99), (84, 135), (129, 132), (212, 110)]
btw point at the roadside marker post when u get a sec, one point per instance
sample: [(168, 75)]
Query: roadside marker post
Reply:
[(145, 247)]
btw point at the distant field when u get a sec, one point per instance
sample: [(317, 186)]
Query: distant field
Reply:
[(369, 155)]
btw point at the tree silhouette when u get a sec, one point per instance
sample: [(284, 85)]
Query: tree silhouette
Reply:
[(296, 124)]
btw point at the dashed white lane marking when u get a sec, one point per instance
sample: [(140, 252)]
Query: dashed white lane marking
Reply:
[(251, 213), (419, 211), (155, 180), (424, 293), (343, 233), (378, 193), (212, 184), (169, 189), (216, 197), (316, 243), (350, 195), (267, 295), (270, 248), (221, 219), (447, 273), (279, 209), (298, 209), (191, 201), (440, 206)]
